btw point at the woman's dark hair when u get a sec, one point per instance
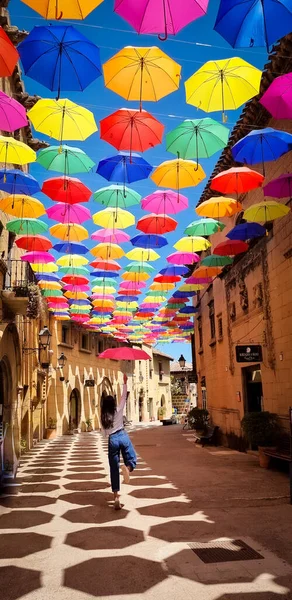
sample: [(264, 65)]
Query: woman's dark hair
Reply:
[(108, 409)]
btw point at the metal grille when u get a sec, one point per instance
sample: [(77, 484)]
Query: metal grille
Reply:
[(225, 551), (19, 275)]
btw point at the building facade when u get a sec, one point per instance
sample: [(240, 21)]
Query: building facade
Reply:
[(243, 330), (183, 387)]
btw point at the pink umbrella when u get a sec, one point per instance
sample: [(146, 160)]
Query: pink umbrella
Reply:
[(130, 285), (150, 305), (66, 213), (76, 288), (278, 97), (159, 16), (38, 257), (199, 280), (165, 202), (113, 236), (12, 114), (183, 258), (102, 297)]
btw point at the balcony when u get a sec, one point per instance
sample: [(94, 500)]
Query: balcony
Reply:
[(15, 294)]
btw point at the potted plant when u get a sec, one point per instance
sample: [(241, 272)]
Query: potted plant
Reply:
[(198, 419), (262, 429), (88, 423), (51, 430)]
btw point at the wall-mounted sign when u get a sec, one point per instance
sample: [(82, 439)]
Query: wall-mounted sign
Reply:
[(249, 354), (89, 383)]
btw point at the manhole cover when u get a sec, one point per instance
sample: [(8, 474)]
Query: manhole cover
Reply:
[(215, 552)]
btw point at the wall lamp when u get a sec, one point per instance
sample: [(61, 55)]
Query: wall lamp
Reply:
[(44, 341), (182, 361), (61, 363)]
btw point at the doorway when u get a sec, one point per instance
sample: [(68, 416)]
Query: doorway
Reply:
[(140, 408), (252, 380), (74, 409), (6, 433)]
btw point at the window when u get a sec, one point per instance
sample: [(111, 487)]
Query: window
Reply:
[(85, 341), (220, 327), (150, 369), (212, 320), (65, 337), (100, 346), (160, 371), (200, 331)]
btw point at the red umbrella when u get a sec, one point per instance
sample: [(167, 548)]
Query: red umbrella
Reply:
[(177, 301), (144, 314), (8, 55), (34, 243), (75, 279), (105, 265), (167, 278), (66, 189), (237, 180), (156, 224), (129, 292), (125, 353), (131, 129), (231, 248)]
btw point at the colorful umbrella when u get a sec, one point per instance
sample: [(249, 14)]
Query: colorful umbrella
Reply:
[(22, 206), (114, 217), (167, 278), (178, 174), (66, 189), (266, 211), (14, 152), (135, 277), (41, 268), (62, 119), (237, 180), (183, 258), (216, 261), (66, 213), (26, 226), (107, 251), (174, 270), (218, 207), (34, 243), (190, 287), (205, 272), (142, 74), (246, 231), (149, 241), (249, 23), (278, 97), (38, 257), (231, 248), (125, 168), (12, 114), (8, 55), (200, 279), (65, 160), (262, 145), (60, 58), (157, 224), (281, 187), (204, 227), (69, 232), (223, 85), (112, 236), (161, 286), (197, 138), (63, 9), (14, 181), (71, 248), (137, 267), (128, 285), (106, 265), (141, 254), (75, 279), (130, 129), (192, 244), (117, 195), (167, 202), (72, 260)]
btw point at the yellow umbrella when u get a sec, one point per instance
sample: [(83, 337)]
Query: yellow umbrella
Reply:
[(103, 302), (190, 287), (98, 320), (72, 260), (142, 254), (49, 285), (62, 119), (76, 295), (127, 305), (63, 9), (156, 300), (162, 286), (178, 174), (22, 206), (63, 317), (266, 211), (106, 251), (104, 290), (135, 277), (142, 74), (42, 268), (14, 152), (219, 206), (192, 244), (114, 218), (223, 85), (69, 232)]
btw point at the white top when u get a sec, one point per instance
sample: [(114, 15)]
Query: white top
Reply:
[(118, 417)]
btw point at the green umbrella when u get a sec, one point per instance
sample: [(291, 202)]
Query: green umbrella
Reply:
[(139, 267), (216, 261), (26, 226), (204, 227), (74, 271), (197, 138), (80, 310), (175, 305), (51, 293), (104, 281), (117, 196), (66, 160)]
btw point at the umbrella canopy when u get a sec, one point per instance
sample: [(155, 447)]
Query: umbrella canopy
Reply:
[(112, 236), (190, 287), (8, 55), (245, 24), (63, 9), (246, 231), (216, 261), (60, 58), (42, 268), (278, 97), (157, 224), (62, 119), (71, 248), (167, 278), (142, 74), (161, 286), (117, 195), (149, 241), (34, 243), (66, 213), (197, 138), (135, 277), (125, 353), (22, 206), (106, 265), (167, 202), (262, 145), (65, 160), (218, 207), (136, 267), (237, 180), (231, 248), (130, 129), (106, 251), (174, 270), (192, 244), (12, 114), (69, 232), (141, 254), (183, 258), (203, 271), (38, 257), (66, 189), (75, 279), (281, 187), (124, 167), (266, 211), (223, 85), (14, 152), (114, 217), (178, 174), (156, 16), (14, 181), (72, 260), (204, 227), (26, 226)]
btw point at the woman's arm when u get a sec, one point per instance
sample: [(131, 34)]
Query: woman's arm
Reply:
[(124, 395)]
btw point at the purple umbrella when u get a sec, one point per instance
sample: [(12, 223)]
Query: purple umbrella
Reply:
[(68, 213), (280, 187), (12, 114), (278, 97), (160, 16)]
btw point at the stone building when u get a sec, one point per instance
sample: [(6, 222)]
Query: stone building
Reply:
[(183, 387), (249, 304)]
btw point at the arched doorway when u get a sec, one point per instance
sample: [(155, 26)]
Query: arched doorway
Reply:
[(6, 433), (74, 409)]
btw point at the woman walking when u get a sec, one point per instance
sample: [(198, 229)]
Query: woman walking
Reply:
[(118, 441)]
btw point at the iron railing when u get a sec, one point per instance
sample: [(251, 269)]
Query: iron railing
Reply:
[(18, 276)]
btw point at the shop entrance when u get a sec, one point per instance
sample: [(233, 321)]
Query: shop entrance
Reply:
[(74, 409), (252, 380)]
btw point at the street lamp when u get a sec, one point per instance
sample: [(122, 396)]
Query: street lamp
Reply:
[(44, 338), (182, 361), (62, 361)]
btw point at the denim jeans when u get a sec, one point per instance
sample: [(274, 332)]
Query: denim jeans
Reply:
[(120, 442)]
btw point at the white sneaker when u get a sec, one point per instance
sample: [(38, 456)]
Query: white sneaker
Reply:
[(117, 504), (126, 474)]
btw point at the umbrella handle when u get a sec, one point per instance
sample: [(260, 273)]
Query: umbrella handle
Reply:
[(160, 37), (164, 37)]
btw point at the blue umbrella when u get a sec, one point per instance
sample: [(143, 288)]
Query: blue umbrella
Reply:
[(82, 302), (149, 240), (188, 309), (127, 298), (183, 294), (46, 277), (103, 274), (248, 23), (14, 181), (174, 270), (246, 231), (60, 58), (71, 248), (124, 168), (262, 145)]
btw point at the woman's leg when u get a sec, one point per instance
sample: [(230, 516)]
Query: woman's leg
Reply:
[(114, 462), (129, 456)]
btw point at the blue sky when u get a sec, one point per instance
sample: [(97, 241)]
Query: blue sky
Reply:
[(191, 48)]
